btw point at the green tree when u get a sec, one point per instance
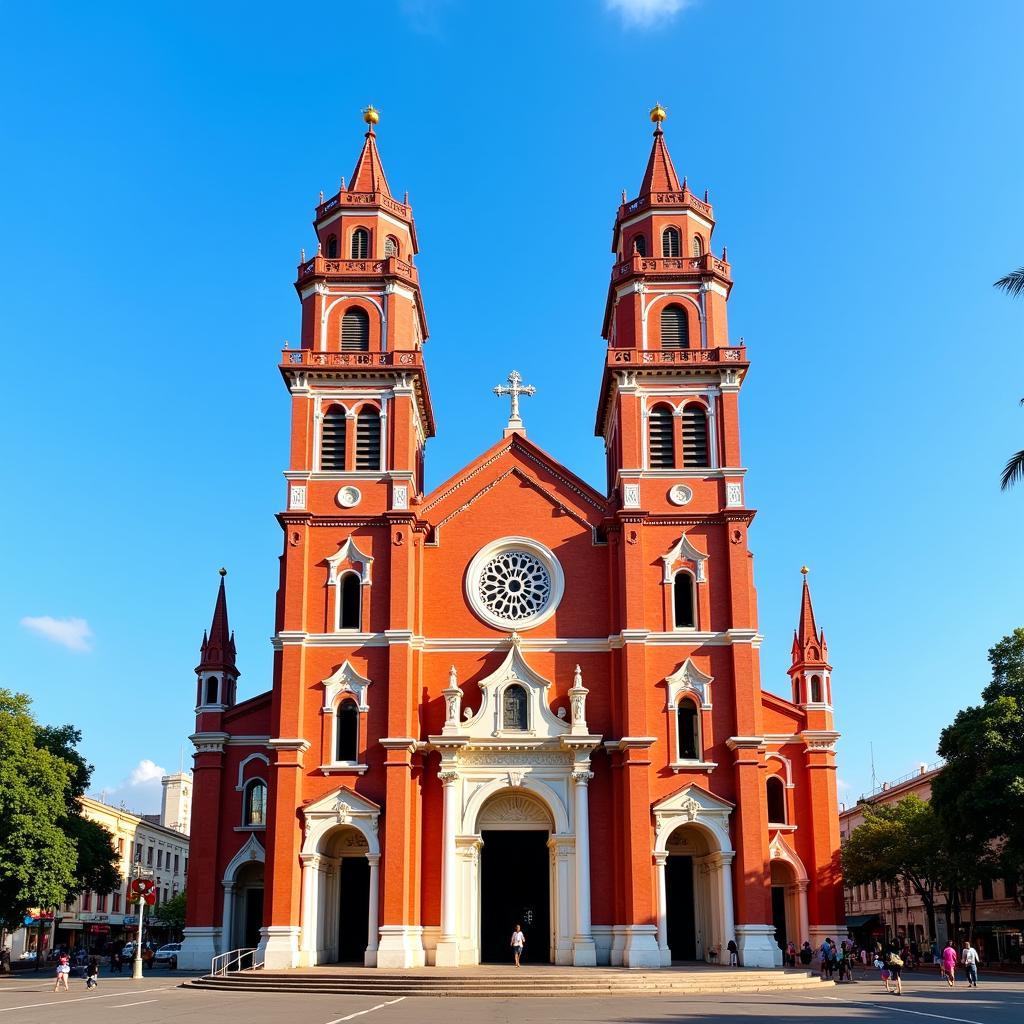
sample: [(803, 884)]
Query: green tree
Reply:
[(172, 913), (902, 843), (38, 859), (979, 796), (1013, 471)]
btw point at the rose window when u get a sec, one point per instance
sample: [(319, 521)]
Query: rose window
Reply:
[(514, 585)]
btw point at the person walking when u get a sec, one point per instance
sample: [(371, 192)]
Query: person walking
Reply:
[(947, 964), (518, 942), (63, 970), (969, 958), (734, 953), (92, 972), (806, 954), (895, 965)]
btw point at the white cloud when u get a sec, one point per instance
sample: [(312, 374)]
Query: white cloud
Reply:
[(140, 791), (645, 13), (843, 784), (74, 634)]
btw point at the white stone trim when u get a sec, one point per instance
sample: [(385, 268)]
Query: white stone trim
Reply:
[(345, 679), (539, 551), (689, 679), (349, 551), (684, 551)]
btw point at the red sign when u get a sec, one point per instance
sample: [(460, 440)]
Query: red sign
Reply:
[(150, 899), (142, 886)]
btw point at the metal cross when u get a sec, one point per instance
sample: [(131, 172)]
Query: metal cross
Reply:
[(514, 389)]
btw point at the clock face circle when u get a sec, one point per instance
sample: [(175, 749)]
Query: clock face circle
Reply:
[(680, 494), (349, 497)]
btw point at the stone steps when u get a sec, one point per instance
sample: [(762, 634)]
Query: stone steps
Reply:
[(504, 985)]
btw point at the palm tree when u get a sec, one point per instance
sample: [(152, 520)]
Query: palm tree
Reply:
[(1013, 471)]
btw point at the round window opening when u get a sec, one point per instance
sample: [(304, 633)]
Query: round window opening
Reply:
[(514, 583)]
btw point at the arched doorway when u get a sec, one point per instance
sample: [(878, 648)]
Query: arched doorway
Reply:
[(789, 896), (688, 898), (515, 876), (248, 906), (343, 897)]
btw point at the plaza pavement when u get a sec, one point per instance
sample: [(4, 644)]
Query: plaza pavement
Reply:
[(160, 999)]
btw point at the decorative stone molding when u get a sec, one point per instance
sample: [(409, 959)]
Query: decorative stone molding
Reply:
[(342, 807), (514, 582), (349, 552), (684, 552), (689, 679), (693, 805), (345, 679), (631, 496), (452, 694), (780, 850), (578, 704), (400, 497), (209, 742), (734, 495), (820, 739), (297, 497), (250, 851)]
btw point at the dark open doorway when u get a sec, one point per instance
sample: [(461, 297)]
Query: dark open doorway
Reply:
[(779, 915), (514, 889), (682, 927), (253, 917), (354, 909)]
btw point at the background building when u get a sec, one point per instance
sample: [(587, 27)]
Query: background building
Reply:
[(883, 910)]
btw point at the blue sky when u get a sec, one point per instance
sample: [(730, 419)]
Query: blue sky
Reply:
[(160, 168)]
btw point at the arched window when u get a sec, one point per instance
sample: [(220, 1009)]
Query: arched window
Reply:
[(391, 246), (815, 689), (360, 244), (661, 433), (697, 246), (332, 247), (776, 800), (639, 245), (346, 735), (255, 810), (695, 435), (675, 329), (368, 439), (355, 330), (684, 608), (211, 690), (670, 242), (513, 708), (349, 601), (689, 730), (332, 438)]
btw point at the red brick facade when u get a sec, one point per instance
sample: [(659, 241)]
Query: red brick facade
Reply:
[(514, 662)]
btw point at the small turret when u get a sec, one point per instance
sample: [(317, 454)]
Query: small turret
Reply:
[(216, 670), (810, 670)]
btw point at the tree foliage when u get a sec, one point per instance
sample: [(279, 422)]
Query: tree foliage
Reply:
[(38, 859), (172, 913), (979, 796)]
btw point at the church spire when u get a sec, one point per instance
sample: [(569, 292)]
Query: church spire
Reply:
[(808, 643), (368, 175), (660, 175), (218, 647)]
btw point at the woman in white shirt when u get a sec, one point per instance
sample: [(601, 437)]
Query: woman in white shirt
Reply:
[(518, 941)]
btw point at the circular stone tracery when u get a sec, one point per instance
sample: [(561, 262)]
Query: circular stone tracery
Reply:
[(514, 585)]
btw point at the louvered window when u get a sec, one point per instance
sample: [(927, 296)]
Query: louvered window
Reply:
[(332, 439), (683, 605), (360, 244), (332, 247), (640, 245), (391, 246), (661, 437), (698, 245), (670, 242), (675, 331), (695, 436), (355, 330), (368, 440)]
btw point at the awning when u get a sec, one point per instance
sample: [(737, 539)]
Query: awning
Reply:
[(860, 920)]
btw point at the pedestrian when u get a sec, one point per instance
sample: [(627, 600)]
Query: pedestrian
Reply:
[(734, 953), (518, 942), (790, 955), (883, 972), (63, 970), (806, 954), (947, 963), (895, 965), (969, 958), (823, 953), (92, 972), (115, 961)]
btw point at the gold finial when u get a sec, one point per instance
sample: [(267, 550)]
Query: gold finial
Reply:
[(658, 113), (223, 571), (804, 570), (371, 115)]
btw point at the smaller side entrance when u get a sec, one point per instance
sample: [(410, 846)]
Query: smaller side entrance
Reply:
[(354, 878), (514, 889), (779, 915), (682, 918)]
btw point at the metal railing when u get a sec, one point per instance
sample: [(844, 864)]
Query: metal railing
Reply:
[(234, 960)]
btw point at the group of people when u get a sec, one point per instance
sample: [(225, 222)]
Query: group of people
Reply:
[(92, 972)]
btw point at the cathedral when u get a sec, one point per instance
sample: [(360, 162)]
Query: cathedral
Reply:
[(514, 699)]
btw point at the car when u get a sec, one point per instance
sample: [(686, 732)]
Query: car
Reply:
[(167, 955)]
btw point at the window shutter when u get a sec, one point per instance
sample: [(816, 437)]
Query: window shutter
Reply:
[(360, 244), (698, 246), (695, 436), (332, 247), (670, 242), (390, 246), (368, 440), (332, 439), (675, 331), (661, 438), (355, 330)]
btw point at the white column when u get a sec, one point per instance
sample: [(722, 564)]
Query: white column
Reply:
[(227, 923), (801, 903), (584, 953), (307, 905), (728, 915), (372, 924), (447, 954), (666, 953)]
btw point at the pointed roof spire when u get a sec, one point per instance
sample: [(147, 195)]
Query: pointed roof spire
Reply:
[(660, 175), (218, 648), (808, 641), (368, 175)]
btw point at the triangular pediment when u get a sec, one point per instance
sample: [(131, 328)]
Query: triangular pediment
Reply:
[(338, 800), (691, 794)]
